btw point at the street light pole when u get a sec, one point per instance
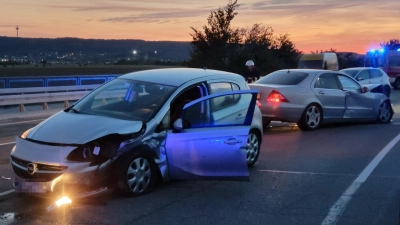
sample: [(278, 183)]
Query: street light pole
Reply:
[(17, 28)]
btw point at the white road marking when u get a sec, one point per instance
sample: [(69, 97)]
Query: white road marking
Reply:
[(28, 121), (7, 192), (8, 143), (307, 173), (340, 205)]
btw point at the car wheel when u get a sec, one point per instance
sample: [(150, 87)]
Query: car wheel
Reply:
[(266, 121), (385, 113), (253, 148), (136, 176), (397, 84), (311, 118)]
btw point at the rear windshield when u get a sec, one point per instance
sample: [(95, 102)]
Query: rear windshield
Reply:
[(351, 73), (283, 78)]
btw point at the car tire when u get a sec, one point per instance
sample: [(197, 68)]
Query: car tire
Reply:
[(266, 121), (311, 119), (385, 113), (253, 148), (396, 84), (136, 176)]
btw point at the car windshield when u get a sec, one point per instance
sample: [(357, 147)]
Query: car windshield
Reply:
[(351, 72), (283, 78), (125, 99)]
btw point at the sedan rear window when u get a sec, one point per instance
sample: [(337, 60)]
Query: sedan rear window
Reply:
[(283, 78)]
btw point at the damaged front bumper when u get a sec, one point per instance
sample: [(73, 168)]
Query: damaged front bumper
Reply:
[(47, 173)]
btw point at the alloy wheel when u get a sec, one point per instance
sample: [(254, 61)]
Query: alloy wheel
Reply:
[(252, 148), (313, 116), (384, 112), (139, 175)]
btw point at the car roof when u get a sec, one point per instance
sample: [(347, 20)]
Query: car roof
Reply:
[(173, 76)]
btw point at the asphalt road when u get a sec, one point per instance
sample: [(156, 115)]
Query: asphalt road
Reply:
[(330, 176)]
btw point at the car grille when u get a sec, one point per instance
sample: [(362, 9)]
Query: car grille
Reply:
[(43, 172)]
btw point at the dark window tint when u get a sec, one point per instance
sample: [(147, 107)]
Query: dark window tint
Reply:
[(327, 81), (375, 73), (283, 78)]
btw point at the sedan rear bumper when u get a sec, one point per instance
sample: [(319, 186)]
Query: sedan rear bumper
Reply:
[(285, 112)]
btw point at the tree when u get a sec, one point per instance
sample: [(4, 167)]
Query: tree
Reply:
[(220, 46), (211, 47), (392, 44)]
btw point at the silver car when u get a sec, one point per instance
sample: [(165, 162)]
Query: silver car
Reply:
[(312, 97), (369, 75), (140, 128)]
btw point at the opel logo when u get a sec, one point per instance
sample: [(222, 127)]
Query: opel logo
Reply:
[(32, 167)]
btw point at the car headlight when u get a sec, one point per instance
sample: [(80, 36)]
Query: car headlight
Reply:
[(23, 136)]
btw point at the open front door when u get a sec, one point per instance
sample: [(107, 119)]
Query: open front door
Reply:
[(212, 139)]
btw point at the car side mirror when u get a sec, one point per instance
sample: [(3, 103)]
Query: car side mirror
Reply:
[(360, 78), (181, 124), (364, 89)]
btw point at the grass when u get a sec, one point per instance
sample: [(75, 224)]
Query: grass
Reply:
[(65, 70)]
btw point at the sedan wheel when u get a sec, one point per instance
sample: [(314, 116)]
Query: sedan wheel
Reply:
[(137, 176), (385, 113), (253, 148), (311, 118)]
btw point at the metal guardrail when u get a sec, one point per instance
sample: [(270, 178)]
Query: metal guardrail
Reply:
[(21, 96)]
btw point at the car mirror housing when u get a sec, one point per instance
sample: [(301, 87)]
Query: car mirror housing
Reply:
[(364, 89), (178, 124)]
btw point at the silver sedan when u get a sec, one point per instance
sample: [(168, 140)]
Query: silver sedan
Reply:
[(312, 97)]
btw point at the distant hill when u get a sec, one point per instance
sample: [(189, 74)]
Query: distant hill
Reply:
[(36, 47)]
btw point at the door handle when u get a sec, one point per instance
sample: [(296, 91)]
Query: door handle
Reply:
[(239, 116), (321, 92), (232, 141)]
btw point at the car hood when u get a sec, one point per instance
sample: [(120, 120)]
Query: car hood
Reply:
[(72, 128)]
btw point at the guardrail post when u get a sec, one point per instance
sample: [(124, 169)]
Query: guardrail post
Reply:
[(66, 104), (45, 106), (21, 108)]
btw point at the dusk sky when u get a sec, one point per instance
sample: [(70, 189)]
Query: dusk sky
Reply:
[(346, 25)]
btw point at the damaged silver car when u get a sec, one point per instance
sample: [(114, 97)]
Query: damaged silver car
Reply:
[(141, 128)]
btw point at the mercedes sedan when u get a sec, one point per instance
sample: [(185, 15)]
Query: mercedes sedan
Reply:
[(141, 128), (312, 97)]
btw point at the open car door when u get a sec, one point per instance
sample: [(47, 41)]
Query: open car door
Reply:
[(208, 145)]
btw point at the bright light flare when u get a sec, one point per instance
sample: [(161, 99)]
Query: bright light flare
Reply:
[(63, 201)]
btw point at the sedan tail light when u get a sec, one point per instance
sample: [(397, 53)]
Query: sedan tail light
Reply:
[(275, 96)]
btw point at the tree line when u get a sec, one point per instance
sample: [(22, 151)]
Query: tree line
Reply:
[(219, 45)]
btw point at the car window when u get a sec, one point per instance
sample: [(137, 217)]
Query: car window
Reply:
[(363, 75), (350, 72), (224, 101), (327, 81), (375, 73), (283, 78), (348, 83), (125, 99), (234, 114)]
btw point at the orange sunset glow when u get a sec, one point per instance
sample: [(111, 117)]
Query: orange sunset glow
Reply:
[(344, 25)]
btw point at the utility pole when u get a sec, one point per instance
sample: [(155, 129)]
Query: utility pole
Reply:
[(17, 28)]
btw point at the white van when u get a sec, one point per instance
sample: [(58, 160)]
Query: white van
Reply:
[(326, 61)]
